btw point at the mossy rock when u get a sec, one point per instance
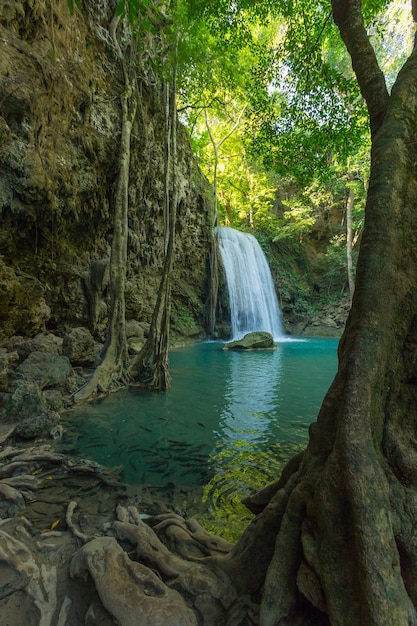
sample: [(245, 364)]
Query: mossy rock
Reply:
[(259, 340)]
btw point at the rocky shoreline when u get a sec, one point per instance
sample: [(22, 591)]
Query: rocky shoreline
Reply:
[(69, 528), (77, 548), (328, 321), (95, 563)]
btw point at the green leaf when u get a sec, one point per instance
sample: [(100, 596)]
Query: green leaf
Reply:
[(120, 8), (71, 4)]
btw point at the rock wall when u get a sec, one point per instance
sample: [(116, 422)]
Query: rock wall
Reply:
[(60, 119)]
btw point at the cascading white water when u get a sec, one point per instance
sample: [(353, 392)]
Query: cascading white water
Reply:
[(252, 298)]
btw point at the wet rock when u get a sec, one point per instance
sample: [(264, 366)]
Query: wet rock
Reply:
[(252, 341), (135, 329), (12, 343), (26, 406), (7, 363), (136, 333), (78, 346), (135, 345), (47, 370), (37, 425), (44, 342), (22, 305), (54, 399), (24, 400)]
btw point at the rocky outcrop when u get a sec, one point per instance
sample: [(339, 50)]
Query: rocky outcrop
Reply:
[(36, 381), (78, 346), (259, 340), (60, 120), (327, 321)]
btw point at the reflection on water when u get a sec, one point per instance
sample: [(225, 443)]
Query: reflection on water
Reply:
[(221, 404), (226, 426), (252, 390)]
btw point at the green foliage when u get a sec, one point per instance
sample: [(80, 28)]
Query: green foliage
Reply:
[(333, 264), (183, 321), (285, 66), (74, 3), (298, 219), (304, 116), (391, 33)]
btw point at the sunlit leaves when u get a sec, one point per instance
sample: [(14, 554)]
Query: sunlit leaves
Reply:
[(299, 217), (391, 34)]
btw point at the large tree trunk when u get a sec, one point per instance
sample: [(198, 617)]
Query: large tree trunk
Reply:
[(336, 538)]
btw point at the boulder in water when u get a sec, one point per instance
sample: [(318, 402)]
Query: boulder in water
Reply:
[(258, 340)]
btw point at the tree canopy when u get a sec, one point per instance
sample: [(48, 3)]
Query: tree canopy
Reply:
[(282, 69)]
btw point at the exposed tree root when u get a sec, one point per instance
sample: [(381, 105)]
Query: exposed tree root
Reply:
[(129, 591), (71, 525), (179, 584), (38, 581)]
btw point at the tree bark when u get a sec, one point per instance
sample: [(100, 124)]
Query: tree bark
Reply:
[(348, 17), (111, 370), (349, 236), (340, 525), (151, 367)]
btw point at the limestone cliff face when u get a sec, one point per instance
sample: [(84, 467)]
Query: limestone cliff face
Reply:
[(60, 122)]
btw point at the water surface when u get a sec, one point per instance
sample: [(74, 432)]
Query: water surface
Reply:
[(226, 426)]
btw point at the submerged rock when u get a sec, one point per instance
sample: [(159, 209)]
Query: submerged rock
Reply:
[(259, 340)]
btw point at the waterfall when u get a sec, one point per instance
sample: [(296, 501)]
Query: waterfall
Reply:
[(252, 298)]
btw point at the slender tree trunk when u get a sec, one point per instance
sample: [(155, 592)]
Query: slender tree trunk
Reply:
[(349, 236), (112, 369), (169, 128), (214, 285), (216, 147), (214, 252), (151, 367), (335, 542)]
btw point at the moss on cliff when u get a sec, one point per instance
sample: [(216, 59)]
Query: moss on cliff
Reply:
[(60, 123)]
